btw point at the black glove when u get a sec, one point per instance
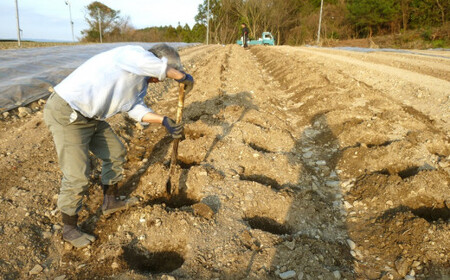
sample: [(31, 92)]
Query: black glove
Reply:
[(188, 82), (176, 130)]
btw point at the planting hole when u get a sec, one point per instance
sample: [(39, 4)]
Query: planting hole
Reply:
[(432, 214), (382, 172), (413, 171), (182, 164), (258, 148), (195, 118), (175, 201), (187, 166), (264, 180), (142, 260), (268, 224), (384, 144), (409, 172)]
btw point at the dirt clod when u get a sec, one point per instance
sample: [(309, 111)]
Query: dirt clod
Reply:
[(36, 270), (203, 210)]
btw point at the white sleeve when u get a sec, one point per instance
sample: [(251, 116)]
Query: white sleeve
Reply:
[(138, 111), (143, 63)]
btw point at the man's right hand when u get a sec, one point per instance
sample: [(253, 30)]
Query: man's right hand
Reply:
[(188, 82), (176, 130)]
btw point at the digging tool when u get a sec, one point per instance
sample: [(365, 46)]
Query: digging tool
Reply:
[(173, 159)]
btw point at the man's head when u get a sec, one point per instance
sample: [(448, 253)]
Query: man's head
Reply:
[(164, 50), (243, 25)]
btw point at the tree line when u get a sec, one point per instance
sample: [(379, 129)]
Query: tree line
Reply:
[(115, 28), (292, 22)]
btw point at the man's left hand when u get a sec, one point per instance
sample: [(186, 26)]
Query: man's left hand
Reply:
[(175, 129)]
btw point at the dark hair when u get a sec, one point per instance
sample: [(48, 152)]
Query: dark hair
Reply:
[(243, 24), (164, 50)]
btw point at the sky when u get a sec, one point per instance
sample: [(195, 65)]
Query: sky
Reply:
[(50, 19)]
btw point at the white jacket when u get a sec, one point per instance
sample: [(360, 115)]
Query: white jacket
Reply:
[(111, 82)]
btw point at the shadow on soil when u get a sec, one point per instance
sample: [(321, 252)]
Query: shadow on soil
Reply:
[(206, 111), (139, 258), (318, 140), (430, 214)]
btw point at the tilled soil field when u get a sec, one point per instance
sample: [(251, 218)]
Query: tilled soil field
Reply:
[(297, 163)]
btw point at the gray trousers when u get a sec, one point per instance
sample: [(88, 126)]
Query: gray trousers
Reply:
[(74, 136)]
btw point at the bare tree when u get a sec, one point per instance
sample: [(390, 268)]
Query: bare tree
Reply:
[(283, 18), (255, 13), (223, 20), (442, 10)]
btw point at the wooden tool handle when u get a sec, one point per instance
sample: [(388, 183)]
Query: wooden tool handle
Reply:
[(180, 104), (173, 160)]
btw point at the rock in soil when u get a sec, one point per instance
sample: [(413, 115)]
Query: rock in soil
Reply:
[(203, 210)]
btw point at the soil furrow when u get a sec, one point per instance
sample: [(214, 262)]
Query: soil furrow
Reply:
[(316, 161)]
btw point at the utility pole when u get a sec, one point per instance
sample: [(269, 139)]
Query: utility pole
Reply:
[(207, 26), (320, 22), (18, 25), (71, 22), (99, 25)]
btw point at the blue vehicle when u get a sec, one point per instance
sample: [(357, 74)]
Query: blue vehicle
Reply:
[(267, 39)]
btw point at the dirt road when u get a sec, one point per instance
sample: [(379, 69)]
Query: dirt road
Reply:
[(303, 162)]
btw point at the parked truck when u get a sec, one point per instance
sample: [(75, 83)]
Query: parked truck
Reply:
[(266, 39)]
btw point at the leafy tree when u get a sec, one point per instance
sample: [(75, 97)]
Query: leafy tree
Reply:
[(186, 34), (370, 14), (406, 10), (198, 33), (428, 13), (291, 21), (202, 15), (109, 19)]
